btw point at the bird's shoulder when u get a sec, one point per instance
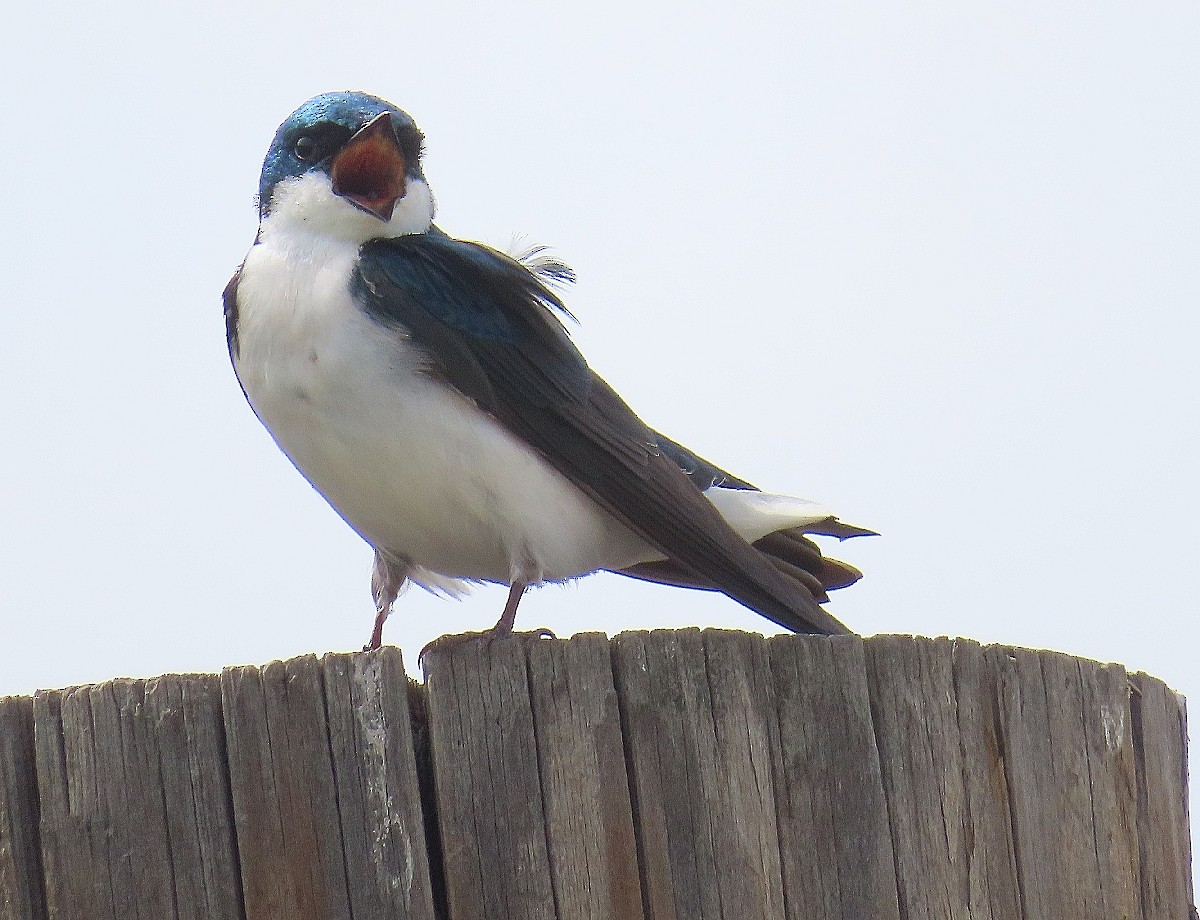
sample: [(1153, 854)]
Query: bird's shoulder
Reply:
[(488, 321)]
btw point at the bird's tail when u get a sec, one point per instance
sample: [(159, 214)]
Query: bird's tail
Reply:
[(778, 526)]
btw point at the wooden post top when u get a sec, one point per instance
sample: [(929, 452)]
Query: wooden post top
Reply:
[(666, 775)]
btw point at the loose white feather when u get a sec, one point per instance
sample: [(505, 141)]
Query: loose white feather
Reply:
[(756, 514)]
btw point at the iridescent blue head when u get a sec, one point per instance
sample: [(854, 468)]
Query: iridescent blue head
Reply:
[(367, 147)]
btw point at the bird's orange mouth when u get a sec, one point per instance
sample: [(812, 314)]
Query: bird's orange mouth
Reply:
[(369, 171)]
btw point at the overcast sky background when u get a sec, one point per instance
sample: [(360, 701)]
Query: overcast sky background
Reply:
[(935, 267)]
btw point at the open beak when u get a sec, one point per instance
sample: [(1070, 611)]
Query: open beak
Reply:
[(369, 171)]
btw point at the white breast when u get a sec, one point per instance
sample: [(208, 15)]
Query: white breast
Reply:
[(410, 464)]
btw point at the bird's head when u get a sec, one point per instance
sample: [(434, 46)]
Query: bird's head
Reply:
[(346, 165)]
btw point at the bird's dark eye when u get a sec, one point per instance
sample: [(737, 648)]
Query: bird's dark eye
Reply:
[(305, 148)]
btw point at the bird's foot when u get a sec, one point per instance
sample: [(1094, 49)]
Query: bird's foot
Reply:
[(487, 636), (376, 639)]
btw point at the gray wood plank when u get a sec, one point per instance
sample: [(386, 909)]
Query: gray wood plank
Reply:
[(129, 781), (1160, 745), (106, 847), (989, 859), (1037, 813), (484, 755), (838, 860), (700, 739), (284, 804), (935, 722), (378, 792), (670, 743), (747, 738), (186, 714), (1066, 732), (1109, 797), (63, 846), (589, 822), (914, 709), (22, 891)]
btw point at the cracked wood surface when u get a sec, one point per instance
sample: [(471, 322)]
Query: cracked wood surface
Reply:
[(667, 775)]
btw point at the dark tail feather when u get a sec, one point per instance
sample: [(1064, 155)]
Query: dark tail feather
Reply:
[(794, 548), (832, 527)]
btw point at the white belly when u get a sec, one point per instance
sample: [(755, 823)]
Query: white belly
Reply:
[(411, 465)]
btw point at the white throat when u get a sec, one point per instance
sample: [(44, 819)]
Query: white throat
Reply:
[(306, 205)]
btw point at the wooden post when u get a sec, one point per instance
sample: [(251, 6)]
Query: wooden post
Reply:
[(668, 775)]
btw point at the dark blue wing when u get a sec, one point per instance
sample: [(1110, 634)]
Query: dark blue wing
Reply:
[(486, 318)]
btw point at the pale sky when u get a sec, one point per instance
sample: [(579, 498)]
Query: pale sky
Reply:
[(933, 266)]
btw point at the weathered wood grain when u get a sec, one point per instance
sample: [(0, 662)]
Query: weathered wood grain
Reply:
[(1108, 799), (747, 749), (22, 891), (127, 831), (944, 779), (913, 705), (585, 789), (989, 860), (284, 804), (1159, 729), (62, 846), (837, 851), (1069, 755), (378, 792), (186, 713), (700, 736), (485, 761)]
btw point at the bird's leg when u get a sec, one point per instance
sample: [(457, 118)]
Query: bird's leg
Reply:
[(508, 617), (387, 578)]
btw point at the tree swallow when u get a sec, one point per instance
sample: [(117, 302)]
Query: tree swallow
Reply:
[(427, 388)]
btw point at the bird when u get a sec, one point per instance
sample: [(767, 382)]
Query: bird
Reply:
[(427, 387)]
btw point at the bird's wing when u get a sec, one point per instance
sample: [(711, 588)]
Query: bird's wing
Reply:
[(491, 329)]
